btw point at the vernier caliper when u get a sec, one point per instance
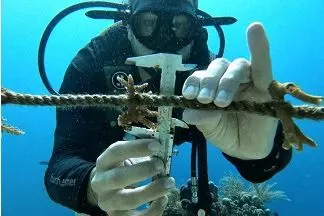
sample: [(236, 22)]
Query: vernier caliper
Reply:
[(169, 64)]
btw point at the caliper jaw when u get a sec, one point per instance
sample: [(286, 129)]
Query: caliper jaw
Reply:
[(169, 64)]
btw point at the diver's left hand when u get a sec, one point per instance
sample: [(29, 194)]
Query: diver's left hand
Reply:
[(241, 135)]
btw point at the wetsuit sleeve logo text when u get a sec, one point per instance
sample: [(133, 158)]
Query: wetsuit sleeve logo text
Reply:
[(62, 182)]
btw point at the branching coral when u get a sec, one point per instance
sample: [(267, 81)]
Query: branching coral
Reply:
[(231, 186), (237, 199), (266, 193)]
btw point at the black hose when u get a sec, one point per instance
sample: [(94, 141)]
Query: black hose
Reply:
[(217, 22), (194, 147), (54, 22), (199, 149), (204, 196)]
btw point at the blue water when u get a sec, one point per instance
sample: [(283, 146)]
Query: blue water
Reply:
[(295, 32)]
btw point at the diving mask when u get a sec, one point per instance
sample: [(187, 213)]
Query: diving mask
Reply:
[(164, 32), (163, 25)]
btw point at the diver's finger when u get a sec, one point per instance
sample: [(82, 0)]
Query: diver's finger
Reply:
[(122, 150), (132, 161), (260, 56), (190, 89), (237, 72), (203, 84), (209, 83), (127, 199), (157, 207), (124, 213), (124, 176)]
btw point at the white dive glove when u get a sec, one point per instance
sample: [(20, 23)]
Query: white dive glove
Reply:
[(241, 135), (113, 183)]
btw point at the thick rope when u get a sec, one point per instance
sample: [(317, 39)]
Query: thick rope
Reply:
[(137, 103), (145, 99), (10, 129)]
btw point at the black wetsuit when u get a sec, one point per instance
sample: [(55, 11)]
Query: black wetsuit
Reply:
[(82, 134)]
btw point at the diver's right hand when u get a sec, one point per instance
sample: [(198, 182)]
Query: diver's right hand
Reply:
[(111, 178)]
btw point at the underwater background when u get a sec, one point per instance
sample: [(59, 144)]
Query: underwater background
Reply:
[(296, 35)]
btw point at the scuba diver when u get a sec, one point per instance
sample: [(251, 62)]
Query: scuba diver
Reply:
[(93, 163)]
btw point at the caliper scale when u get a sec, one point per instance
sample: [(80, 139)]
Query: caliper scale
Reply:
[(164, 132)]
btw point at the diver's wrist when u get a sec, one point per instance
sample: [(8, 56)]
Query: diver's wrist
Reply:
[(92, 197)]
